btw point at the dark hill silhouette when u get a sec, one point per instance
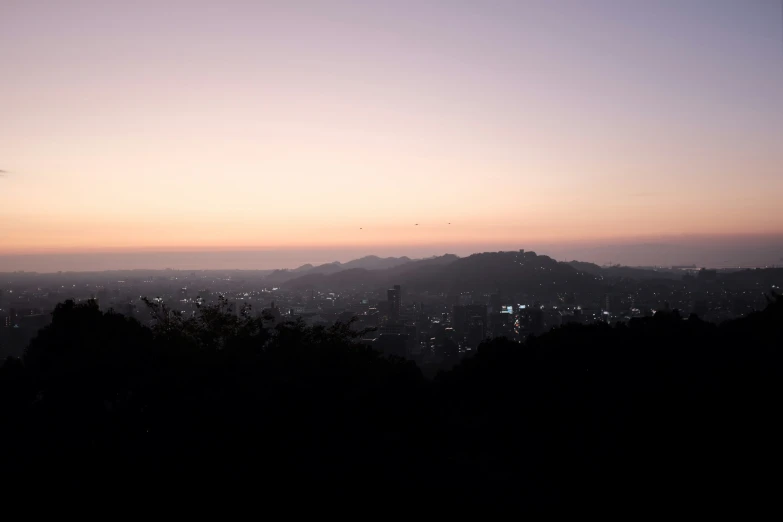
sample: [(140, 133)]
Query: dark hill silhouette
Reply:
[(624, 272), (360, 277), (366, 263), (354, 278), (376, 263), (512, 271), (761, 277), (584, 266)]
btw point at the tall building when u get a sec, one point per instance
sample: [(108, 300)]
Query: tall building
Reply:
[(537, 325), (272, 314), (12, 319), (459, 320), (394, 298), (392, 328), (476, 311), (476, 331), (494, 302)]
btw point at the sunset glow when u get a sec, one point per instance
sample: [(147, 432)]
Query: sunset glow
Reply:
[(281, 125)]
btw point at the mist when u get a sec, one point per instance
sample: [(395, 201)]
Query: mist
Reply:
[(706, 251)]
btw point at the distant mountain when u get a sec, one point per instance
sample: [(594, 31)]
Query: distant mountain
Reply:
[(488, 272), (362, 277), (584, 266), (365, 263), (518, 271), (760, 279), (376, 263), (283, 275), (626, 272)]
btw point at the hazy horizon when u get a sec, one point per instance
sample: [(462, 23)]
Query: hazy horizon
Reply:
[(159, 159), (342, 124), (716, 252)]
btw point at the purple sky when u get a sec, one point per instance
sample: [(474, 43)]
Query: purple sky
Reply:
[(288, 126)]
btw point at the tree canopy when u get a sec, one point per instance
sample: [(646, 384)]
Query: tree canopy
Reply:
[(661, 409)]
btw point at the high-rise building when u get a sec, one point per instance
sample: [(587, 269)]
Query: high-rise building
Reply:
[(494, 302), (477, 331), (394, 298), (476, 316), (459, 320), (537, 324), (12, 319), (473, 311)]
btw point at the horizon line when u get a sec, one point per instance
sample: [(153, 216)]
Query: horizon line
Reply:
[(605, 241)]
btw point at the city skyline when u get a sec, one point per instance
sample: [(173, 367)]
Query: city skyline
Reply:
[(342, 125), (491, 252)]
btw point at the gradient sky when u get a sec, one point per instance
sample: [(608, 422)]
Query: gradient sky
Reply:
[(290, 124)]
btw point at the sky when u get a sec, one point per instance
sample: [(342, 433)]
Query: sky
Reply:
[(333, 127)]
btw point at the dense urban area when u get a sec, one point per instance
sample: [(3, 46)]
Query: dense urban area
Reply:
[(433, 311)]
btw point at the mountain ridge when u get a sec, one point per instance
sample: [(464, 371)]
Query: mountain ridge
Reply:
[(368, 262), (516, 271)]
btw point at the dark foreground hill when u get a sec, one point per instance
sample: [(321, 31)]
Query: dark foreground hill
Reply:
[(662, 413)]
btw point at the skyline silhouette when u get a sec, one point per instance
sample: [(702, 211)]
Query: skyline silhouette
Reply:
[(517, 253)]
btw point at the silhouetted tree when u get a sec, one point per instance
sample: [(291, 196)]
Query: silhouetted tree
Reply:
[(663, 409)]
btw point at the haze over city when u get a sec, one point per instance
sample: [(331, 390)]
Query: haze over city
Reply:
[(322, 131), (523, 255)]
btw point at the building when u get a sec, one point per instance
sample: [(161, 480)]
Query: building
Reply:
[(537, 324), (459, 320), (271, 315), (128, 309), (392, 329), (473, 313), (494, 302), (12, 319), (477, 326), (392, 344), (394, 300), (502, 325)]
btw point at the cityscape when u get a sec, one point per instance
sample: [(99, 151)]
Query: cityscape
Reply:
[(316, 255), (432, 322)]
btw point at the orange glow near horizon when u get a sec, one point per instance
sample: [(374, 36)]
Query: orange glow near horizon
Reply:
[(291, 128)]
